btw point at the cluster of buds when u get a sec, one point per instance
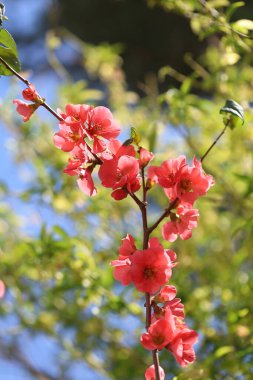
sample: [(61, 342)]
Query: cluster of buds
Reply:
[(27, 109)]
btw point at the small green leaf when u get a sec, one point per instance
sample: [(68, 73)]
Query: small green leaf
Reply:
[(232, 8), (223, 351), (135, 136), (2, 17), (8, 51), (233, 114)]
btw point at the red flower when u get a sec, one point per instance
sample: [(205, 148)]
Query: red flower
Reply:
[(159, 334), (31, 94), (122, 271), (169, 171), (101, 124), (79, 159), (171, 304), (192, 183), (152, 178), (145, 157), (2, 289), (85, 182), (181, 345), (75, 114), (150, 373), (24, 109), (71, 133), (127, 247), (181, 224), (150, 269), (120, 174), (167, 293)]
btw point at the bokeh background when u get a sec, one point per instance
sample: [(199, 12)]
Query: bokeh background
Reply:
[(165, 67)]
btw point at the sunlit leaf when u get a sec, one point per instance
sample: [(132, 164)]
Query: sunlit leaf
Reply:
[(8, 51), (233, 113)]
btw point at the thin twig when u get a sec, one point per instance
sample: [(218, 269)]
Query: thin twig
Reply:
[(164, 214), (214, 143)]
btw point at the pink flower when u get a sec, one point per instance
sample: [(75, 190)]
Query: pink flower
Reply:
[(100, 123), (169, 171), (2, 289), (68, 137), (167, 293), (122, 271), (127, 247), (176, 307), (24, 109), (192, 183), (120, 174), (152, 178), (79, 159), (145, 157), (85, 182), (75, 114), (181, 224), (72, 133), (159, 334), (167, 296), (150, 373), (150, 269), (31, 94), (181, 345)]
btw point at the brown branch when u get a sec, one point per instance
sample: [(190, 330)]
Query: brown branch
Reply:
[(164, 214), (214, 143)]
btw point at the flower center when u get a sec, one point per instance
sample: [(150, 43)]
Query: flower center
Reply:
[(186, 184), (148, 273)]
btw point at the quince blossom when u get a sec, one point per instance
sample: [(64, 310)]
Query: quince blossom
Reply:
[(159, 334), (2, 289), (150, 373), (150, 269), (181, 346), (120, 174), (181, 224), (127, 247), (31, 94), (24, 109), (145, 157)]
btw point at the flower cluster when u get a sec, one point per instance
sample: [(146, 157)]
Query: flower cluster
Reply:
[(149, 270), (168, 329), (89, 135), (182, 184)]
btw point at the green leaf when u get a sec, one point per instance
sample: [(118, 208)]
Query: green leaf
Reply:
[(8, 51), (232, 8), (135, 136), (243, 25), (223, 351), (233, 114)]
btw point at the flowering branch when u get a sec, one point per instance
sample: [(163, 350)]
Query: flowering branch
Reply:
[(28, 84), (122, 168)]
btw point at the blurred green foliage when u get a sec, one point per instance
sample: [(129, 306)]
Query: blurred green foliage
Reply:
[(60, 283)]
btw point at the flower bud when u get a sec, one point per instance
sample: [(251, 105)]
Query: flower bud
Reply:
[(145, 157)]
